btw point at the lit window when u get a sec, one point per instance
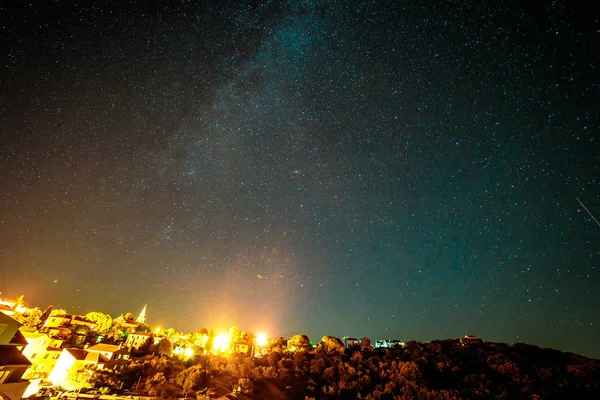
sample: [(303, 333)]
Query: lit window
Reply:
[(4, 375)]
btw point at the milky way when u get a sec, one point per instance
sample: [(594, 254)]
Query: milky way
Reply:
[(387, 170)]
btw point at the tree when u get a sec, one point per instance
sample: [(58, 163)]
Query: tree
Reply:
[(106, 378), (277, 345), (236, 333), (129, 317), (117, 332), (172, 334), (158, 386), (203, 331), (199, 338), (144, 348), (78, 379), (143, 328), (164, 347), (102, 321), (299, 343), (193, 378), (76, 340), (332, 344), (30, 319), (244, 386)]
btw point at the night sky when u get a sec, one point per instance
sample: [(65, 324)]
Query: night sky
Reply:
[(389, 169)]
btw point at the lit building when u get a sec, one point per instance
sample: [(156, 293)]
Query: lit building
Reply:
[(70, 361), (66, 320), (13, 364), (43, 352), (243, 347), (10, 307), (6, 310), (132, 326), (350, 342), (389, 343), (66, 325), (112, 355), (73, 361), (142, 317), (60, 332), (138, 339), (37, 343), (470, 339)]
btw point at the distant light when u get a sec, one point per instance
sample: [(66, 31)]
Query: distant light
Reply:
[(261, 339), (221, 342), (189, 352)]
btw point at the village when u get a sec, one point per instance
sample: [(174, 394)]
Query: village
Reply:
[(51, 353)]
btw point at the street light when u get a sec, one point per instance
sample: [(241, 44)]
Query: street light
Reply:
[(261, 339)]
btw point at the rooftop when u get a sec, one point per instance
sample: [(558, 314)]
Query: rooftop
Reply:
[(141, 334), (19, 339), (79, 354), (10, 355), (105, 348)]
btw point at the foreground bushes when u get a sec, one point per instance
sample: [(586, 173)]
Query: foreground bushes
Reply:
[(437, 370)]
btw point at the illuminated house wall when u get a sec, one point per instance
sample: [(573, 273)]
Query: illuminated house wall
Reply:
[(110, 352), (43, 364), (7, 310), (70, 360), (136, 340), (37, 343), (56, 321), (43, 352), (388, 343), (350, 342)]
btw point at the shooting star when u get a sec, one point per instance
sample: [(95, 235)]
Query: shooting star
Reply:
[(588, 211)]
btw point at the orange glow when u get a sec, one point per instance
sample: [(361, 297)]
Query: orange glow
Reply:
[(221, 342), (261, 339)]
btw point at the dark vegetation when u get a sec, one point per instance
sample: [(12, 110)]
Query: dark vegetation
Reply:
[(438, 370)]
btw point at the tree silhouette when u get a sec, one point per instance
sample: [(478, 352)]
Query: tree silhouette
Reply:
[(30, 319), (299, 343), (164, 347), (129, 317), (332, 344), (102, 321), (193, 378)]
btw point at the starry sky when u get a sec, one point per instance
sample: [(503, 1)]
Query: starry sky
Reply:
[(401, 170)]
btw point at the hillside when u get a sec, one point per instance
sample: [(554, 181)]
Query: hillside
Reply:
[(436, 370), (448, 369)]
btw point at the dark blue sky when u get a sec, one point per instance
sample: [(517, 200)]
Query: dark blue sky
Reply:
[(375, 169)]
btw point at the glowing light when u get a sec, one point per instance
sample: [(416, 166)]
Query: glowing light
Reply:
[(32, 389), (189, 352), (157, 330), (221, 342), (261, 339)]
